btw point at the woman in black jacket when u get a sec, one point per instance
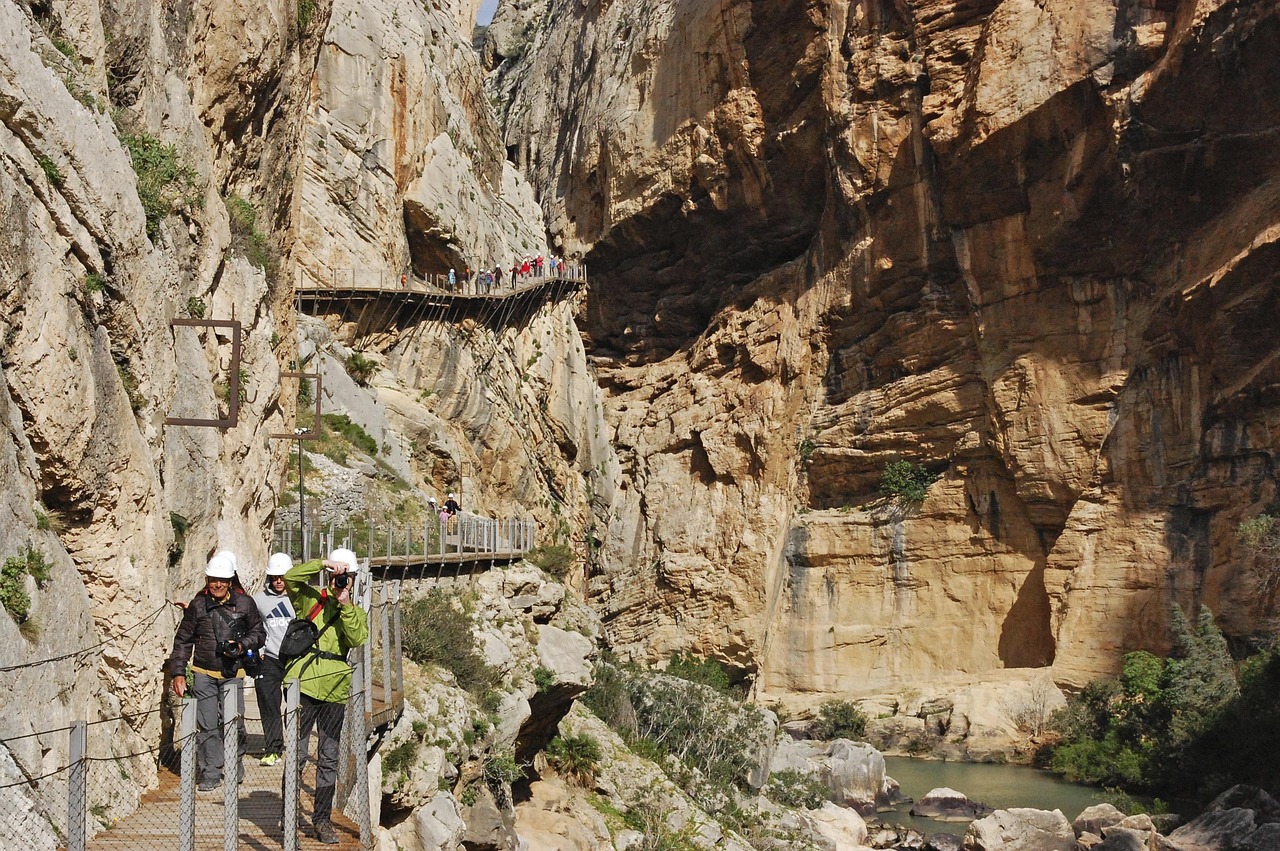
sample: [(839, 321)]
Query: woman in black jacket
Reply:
[(219, 627)]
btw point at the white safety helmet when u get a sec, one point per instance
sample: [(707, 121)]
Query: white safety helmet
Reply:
[(451, 496), (279, 564), (219, 567), (229, 556), (345, 556)]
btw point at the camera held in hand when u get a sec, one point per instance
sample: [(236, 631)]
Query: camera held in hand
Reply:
[(340, 581)]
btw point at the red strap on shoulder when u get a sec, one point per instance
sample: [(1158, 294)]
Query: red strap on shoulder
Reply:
[(324, 595)]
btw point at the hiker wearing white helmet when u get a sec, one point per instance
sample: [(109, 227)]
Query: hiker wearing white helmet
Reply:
[(323, 670), (277, 611), (220, 633)]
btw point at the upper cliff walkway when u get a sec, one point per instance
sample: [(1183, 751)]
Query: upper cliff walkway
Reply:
[(374, 301), (467, 542)]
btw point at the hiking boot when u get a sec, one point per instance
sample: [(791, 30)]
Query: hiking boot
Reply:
[(209, 784), (325, 832), (269, 760)]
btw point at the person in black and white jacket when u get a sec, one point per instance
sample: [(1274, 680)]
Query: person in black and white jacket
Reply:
[(277, 611)]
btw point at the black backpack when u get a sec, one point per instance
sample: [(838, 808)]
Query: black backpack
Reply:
[(302, 636)]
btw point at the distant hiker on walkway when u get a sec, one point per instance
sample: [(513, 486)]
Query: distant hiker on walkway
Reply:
[(453, 280), (324, 673), (277, 611), (497, 276), (451, 505), (537, 265), (220, 632)]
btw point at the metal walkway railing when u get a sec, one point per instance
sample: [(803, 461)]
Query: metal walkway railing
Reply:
[(463, 539)]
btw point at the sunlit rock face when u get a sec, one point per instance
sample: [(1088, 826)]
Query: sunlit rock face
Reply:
[(1030, 246)]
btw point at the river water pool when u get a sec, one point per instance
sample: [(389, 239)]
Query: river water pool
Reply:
[(998, 786)]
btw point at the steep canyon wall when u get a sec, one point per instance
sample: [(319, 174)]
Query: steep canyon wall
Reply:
[(1029, 246)]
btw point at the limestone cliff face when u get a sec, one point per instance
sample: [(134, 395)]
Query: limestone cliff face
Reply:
[(401, 164), (1028, 245), (98, 253)]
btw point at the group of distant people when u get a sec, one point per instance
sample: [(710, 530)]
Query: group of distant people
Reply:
[(226, 634), (487, 280)]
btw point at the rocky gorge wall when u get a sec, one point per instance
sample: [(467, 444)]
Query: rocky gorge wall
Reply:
[(124, 130), (1026, 245)]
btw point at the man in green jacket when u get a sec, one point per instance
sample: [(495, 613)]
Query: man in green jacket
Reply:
[(324, 673)]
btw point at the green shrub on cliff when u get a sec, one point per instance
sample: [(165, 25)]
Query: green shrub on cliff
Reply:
[(905, 481)]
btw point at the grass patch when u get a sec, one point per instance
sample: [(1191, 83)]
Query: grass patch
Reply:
[(340, 425), (246, 237), (51, 171), (196, 308), (13, 591), (164, 183), (577, 757), (361, 369)]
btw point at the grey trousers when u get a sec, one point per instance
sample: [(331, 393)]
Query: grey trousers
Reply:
[(208, 692), (327, 719)]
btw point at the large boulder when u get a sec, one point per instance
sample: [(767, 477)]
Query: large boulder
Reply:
[(1231, 821), (1126, 839), (943, 804), (843, 829), (1021, 829), (1094, 819), (944, 842), (854, 773)]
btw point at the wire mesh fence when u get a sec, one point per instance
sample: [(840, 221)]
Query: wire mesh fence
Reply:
[(108, 788)]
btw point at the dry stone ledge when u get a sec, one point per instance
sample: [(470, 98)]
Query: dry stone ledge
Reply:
[(1021, 829)]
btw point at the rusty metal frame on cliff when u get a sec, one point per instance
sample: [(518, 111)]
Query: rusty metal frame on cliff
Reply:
[(233, 384), (314, 433)]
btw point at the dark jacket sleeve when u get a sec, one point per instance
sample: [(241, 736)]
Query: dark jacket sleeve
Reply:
[(183, 643), (255, 633)]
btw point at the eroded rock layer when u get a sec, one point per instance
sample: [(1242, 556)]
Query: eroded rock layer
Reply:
[(1027, 245)]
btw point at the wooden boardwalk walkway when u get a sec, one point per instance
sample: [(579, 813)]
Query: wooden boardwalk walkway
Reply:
[(153, 826)]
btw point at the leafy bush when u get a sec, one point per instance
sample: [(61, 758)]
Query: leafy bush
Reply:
[(196, 308), (577, 757), (438, 631), (163, 182), (707, 672), (502, 768), (840, 719), (94, 283), (795, 789), (543, 678), (553, 559), (306, 396), (1136, 734), (716, 736), (905, 481), (361, 369)]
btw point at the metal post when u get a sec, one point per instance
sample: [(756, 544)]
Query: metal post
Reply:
[(386, 643), (187, 781), (396, 638), (359, 743), (302, 500), (77, 787), (291, 702), (231, 702)]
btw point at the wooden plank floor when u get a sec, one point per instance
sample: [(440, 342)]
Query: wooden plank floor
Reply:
[(154, 825)]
